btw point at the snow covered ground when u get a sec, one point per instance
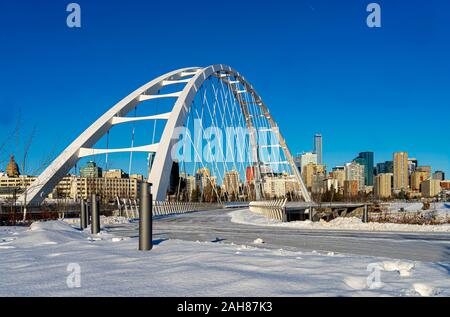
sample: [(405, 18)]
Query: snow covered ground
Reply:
[(247, 217), (113, 220), (440, 208), (45, 259)]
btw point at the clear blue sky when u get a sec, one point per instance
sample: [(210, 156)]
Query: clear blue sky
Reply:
[(315, 63)]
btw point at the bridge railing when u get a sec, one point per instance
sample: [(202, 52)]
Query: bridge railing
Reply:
[(163, 208), (273, 209), (130, 208)]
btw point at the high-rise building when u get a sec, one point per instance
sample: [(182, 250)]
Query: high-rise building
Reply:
[(318, 148), (305, 159), (280, 186), (389, 165), (412, 165), (203, 178), (366, 159), (190, 184), (440, 175), (417, 177), (338, 173), (355, 172), (231, 182), (384, 168), (249, 174), (91, 170), (310, 171), (401, 171), (430, 188), (383, 185), (332, 184), (424, 168)]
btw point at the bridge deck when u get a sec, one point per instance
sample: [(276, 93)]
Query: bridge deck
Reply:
[(216, 225)]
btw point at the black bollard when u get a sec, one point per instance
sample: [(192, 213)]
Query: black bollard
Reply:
[(83, 215), (145, 218), (366, 214), (95, 216), (88, 213)]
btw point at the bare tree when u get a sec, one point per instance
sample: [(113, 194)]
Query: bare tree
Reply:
[(25, 153), (23, 148)]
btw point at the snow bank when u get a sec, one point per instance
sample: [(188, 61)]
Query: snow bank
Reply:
[(424, 290), (49, 233), (114, 220), (258, 241), (111, 266), (343, 223), (104, 221), (403, 268), (51, 226)]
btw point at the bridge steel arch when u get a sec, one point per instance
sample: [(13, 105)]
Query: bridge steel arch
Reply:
[(194, 77)]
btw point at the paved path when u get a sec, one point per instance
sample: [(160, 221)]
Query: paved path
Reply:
[(216, 225)]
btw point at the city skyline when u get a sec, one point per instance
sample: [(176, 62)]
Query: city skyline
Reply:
[(357, 154), (372, 78)]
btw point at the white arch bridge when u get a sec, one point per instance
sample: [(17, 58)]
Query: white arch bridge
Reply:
[(218, 92)]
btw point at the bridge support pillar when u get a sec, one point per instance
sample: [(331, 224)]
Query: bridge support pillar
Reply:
[(95, 214), (145, 218)]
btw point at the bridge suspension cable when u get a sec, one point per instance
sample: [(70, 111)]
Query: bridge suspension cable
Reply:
[(218, 97)]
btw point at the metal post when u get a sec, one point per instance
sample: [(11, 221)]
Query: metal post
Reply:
[(95, 210), (83, 215), (88, 212), (145, 218), (366, 214)]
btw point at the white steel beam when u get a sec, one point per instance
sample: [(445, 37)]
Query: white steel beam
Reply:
[(190, 73), (174, 82), (270, 145), (91, 152), (119, 120), (151, 97)]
